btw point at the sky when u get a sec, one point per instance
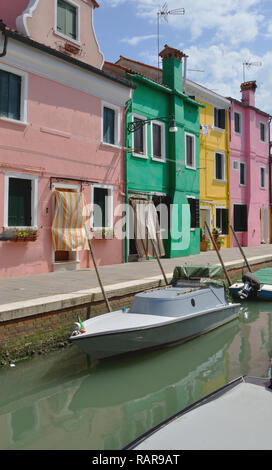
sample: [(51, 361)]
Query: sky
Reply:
[(217, 35)]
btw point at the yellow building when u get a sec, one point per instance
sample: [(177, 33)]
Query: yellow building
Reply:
[(214, 160)]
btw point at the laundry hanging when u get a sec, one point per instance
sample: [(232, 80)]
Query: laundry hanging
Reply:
[(146, 227), (70, 218)]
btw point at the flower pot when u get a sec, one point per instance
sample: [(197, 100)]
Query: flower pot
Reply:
[(204, 246)]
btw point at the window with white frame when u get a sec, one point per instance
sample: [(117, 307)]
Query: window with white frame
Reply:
[(102, 199), (219, 166), (21, 200), (219, 118), (139, 143), (190, 151), (262, 132), (13, 94), (67, 19), (158, 140), (237, 123), (110, 124), (262, 177), (242, 173)]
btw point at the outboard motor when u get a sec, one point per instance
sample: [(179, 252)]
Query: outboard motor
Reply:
[(251, 285)]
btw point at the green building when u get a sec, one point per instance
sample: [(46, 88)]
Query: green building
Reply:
[(162, 131)]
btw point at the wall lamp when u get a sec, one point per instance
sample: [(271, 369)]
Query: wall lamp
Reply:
[(139, 123)]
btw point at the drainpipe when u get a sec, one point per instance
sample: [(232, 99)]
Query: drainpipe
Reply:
[(2, 29)]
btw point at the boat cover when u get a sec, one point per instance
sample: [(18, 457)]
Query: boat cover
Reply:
[(264, 275), (211, 271)]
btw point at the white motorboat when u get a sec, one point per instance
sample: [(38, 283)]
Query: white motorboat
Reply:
[(235, 417), (156, 318)]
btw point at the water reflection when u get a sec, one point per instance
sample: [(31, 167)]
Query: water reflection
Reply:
[(64, 401)]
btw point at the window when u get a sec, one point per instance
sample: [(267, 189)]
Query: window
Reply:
[(139, 138), (235, 165), (262, 177), (13, 94), (195, 211), (219, 118), (110, 125), (237, 123), (240, 217), (68, 19), (222, 219), (21, 201), (158, 141), (219, 166), (190, 150), (102, 206), (242, 173), (262, 132)]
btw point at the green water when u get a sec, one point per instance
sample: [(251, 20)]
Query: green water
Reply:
[(64, 401)]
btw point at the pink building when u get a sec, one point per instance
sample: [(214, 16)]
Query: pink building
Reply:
[(249, 169), (61, 129)]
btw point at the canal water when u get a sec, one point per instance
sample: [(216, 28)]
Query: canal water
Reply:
[(63, 401)]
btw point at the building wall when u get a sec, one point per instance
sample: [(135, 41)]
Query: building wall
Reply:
[(248, 148), (61, 139), (213, 193)]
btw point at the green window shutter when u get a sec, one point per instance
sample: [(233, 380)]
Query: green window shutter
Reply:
[(225, 221), (138, 138), (61, 17), (19, 203), (108, 125), (157, 150), (71, 21), (14, 96), (4, 93), (67, 19), (10, 95), (99, 217)]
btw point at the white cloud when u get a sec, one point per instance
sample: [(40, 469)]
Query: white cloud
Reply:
[(135, 40)]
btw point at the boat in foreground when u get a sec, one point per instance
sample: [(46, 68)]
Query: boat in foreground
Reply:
[(257, 286), (235, 417), (157, 318)]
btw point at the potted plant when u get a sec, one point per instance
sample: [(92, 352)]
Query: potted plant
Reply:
[(204, 241), (219, 241)]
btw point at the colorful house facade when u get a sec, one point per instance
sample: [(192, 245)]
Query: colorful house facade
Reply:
[(249, 169), (61, 131), (214, 160), (162, 165)]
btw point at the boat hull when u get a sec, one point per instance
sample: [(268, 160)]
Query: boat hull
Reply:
[(235, 417), (169, 331), (264, 293)]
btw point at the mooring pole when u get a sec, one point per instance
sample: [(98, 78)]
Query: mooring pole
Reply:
[(218, 254), (97, 274), (241, 250), (157, 257)]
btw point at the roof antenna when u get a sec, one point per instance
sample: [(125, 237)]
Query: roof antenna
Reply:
[(163, 13), (247, 65)]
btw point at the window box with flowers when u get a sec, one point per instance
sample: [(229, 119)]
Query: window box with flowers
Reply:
[(26, 235), (219, 241), (103, 234)]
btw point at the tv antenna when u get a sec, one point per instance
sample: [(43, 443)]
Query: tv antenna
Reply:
[(164, 13), (247, 65)]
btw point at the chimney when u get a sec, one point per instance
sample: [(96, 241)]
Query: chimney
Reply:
[(172, 67), (248, 92)]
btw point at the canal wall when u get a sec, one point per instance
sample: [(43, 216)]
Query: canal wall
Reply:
[(38, 326)]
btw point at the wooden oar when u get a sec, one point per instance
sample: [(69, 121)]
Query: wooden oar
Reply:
[(97, 273), (240, 248)]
